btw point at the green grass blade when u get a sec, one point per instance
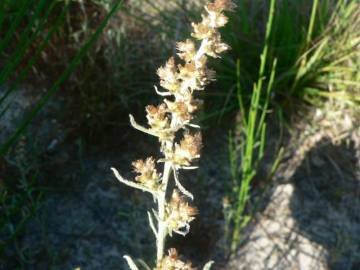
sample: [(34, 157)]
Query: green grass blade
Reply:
[(268, 95), (312, 22), (239, 93), (254, 126), (24, 41), (22, 74), (14, 25), (6, 146), (2, 15)]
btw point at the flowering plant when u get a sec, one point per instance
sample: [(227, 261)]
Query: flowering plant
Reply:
[(171, 118)]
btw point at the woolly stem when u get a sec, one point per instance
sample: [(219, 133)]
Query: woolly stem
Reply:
[(201, 50), (168, 167), (162, 226)]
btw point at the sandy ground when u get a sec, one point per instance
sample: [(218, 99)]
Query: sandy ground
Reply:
[(307, 217), (310, 219)]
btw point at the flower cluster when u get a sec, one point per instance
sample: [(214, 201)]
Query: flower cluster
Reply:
[(159, 122), (172, 262), (188, 149), (179, 214), (148, 175), (172, 119), (180, 81)]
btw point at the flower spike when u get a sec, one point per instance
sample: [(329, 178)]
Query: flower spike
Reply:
[(172, 119)]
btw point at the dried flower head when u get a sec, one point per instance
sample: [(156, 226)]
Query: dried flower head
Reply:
[(187, 50), (172, 262), (159, 122), (169, 76), (202, 30), (216, 19), (192, 77), (179, 109), (215, 46), (188, 74), (148, 175), (188, 149), (179, 214), (221, 5), (156, 116)]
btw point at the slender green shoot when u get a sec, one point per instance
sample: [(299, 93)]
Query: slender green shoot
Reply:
[(253, 135)]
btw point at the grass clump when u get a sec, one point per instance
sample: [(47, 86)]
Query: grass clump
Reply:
[(30, 31), (314, 49), (315, 43), (328, 67), (19, 61)]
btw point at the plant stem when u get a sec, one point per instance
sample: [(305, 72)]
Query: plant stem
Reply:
[(162, 227), (161, 198), (255, 127), (312, 22)]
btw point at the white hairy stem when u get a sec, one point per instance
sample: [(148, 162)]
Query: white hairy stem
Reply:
[(152, 224), (201, 51), (130, 262), (162, 226), (180, 186), (168, 167)]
